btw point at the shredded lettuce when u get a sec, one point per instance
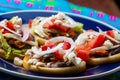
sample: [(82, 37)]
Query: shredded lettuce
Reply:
[(8, 49), (78, 28), (18, 52), (5, 45)]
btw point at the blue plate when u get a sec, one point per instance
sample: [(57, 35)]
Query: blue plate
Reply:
[(89, 23)]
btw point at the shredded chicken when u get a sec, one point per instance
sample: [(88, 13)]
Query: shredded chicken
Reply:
[(16, 43)]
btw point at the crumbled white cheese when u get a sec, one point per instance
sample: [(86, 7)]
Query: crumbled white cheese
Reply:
[(16, 20), (71, 57), (108, 44), (77, 61), (28, 52), (60, 16), (48, 65), (117, 35), (18, 61), (32, 61)]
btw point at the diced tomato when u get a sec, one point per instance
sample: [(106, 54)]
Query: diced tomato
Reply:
[(86, 47), (5, 31), (79, 47), (83, 54), (61, 28), (30, 23), (98, 41), (110, 33), (82, 51), (49, 24), (66, 45), (59, 55), (10, 25), (50, 44), (44, 47)]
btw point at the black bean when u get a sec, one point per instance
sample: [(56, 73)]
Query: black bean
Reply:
[(47, 57)]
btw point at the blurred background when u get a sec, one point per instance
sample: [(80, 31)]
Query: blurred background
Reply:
[(111, 7), (107, 11)]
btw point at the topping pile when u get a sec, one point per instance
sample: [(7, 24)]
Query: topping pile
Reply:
[(55, 41)]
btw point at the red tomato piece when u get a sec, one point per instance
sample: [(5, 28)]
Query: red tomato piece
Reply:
[(49, 24), (10, 25), (50, 44), (96, 42), (82, 51), (66, 45), (59, 55), (5, 31), (83, 54), (30, 23), (44, 47), (61, 28), (110, 33), (79, 47)]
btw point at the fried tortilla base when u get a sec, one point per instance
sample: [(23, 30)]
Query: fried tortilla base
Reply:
[(104, 60), (55, 71)]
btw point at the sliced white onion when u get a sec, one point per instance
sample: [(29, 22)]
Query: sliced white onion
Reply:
[(109, 37), (103, 48), (45, 20), (12, 31), (115, 46), (39, 30), (14, 36), (112, 39), (71, 21), (81, 38), (39, 53), (58, 22), (25, 30), (63, 38), (67, 25), (99, 48), (30, 43), (37, 20)]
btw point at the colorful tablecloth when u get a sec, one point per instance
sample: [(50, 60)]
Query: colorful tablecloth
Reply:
[(57, 5), (13, 5)]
